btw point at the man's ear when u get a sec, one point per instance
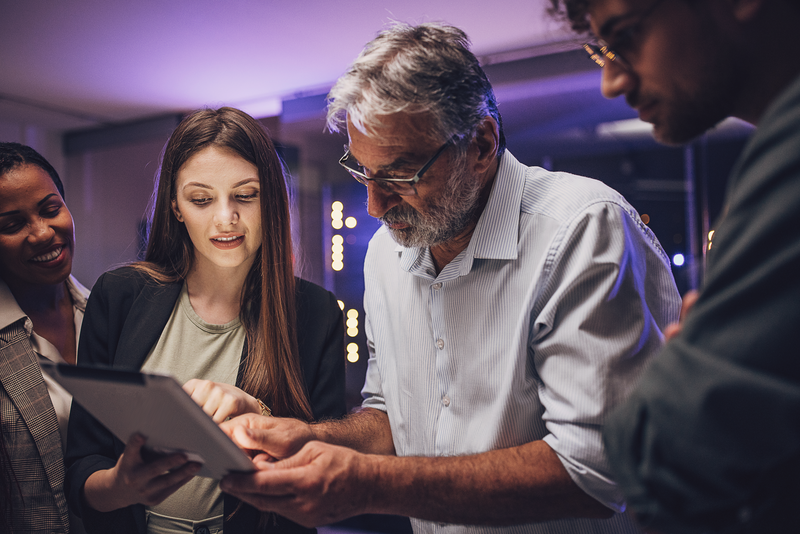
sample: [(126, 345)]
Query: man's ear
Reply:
[(176, 211), (487, 139)]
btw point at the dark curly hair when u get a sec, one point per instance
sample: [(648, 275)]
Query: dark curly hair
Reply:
[(574, 12)]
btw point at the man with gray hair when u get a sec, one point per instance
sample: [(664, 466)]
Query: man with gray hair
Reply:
[(508, 309)]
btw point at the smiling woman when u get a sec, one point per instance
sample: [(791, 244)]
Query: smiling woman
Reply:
[(37, 235), (216, 305), (41, 311)]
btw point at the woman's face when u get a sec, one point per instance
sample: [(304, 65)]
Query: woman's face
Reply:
[(37, 236), (217, 198)]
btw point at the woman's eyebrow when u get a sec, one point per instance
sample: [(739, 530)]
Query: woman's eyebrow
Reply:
[(45, 199), (14, 212), (245, 181), (196, 184)]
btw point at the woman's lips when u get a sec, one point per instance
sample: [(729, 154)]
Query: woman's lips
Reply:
[(51, 258), (227, 242), (48, 256)]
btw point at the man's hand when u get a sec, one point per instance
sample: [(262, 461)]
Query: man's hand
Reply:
[(688, 303), (221, 401), (277, 437), (319, 485)]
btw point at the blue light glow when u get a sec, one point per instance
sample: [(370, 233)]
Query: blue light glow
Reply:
[(678, 260)]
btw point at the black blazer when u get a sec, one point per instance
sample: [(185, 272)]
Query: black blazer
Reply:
[(125, 315)]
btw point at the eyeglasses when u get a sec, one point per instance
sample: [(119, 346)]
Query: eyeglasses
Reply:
[(600, 52), (393, 185)]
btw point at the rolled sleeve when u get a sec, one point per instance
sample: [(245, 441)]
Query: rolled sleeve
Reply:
[(610, 294), (372, 391)]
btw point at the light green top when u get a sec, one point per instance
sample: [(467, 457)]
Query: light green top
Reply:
[(192, 348)]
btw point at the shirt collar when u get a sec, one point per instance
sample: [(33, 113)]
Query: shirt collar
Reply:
[(78, 292), (10, 312), (497, 233)]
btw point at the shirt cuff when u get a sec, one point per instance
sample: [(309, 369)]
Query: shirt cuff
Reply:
[(586, 465)]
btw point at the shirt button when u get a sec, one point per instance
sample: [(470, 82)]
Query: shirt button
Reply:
[(202, 530), (440, 343), (446, 401), (437, 285)]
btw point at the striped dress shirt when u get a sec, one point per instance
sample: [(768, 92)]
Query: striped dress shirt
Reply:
[(539, 328)]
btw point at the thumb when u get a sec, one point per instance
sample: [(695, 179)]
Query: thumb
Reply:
[(251, 438), (301, 458), (133, 450)]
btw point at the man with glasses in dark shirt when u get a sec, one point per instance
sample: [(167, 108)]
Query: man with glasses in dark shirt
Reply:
[(508, 310), (710, 440)]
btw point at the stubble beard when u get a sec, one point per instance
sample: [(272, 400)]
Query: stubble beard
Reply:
[(689, 114), (690, 117), (444, 217)]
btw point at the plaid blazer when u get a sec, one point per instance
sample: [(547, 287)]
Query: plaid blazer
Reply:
[(32, 438)]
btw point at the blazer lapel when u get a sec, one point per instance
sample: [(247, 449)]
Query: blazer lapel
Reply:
[(144, 324), (22, 379)]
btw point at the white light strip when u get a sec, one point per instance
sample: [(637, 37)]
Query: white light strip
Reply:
[(636, 128), (626, 128), (266, 107)]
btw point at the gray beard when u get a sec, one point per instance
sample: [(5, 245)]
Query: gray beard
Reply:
[(443, 219)]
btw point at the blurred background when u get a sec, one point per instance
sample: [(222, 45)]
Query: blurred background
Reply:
[(98, 85)]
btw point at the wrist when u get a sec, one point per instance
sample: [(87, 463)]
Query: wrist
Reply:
[(263, 409), (379, 497), (100, 492), (313, 434)]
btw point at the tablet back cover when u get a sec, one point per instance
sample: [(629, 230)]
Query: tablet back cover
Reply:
[(157, 407)]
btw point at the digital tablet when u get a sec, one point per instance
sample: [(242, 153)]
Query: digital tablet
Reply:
[(157, 407)]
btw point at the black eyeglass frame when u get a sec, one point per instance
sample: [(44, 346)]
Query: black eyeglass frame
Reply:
[(396, 185), (599, 51)]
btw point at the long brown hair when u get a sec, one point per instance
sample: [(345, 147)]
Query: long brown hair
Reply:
[(271, 369)]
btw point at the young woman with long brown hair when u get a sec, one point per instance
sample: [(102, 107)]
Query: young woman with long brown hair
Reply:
[(216, 304)]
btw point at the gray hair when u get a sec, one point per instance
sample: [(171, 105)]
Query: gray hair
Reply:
[(416, 69)]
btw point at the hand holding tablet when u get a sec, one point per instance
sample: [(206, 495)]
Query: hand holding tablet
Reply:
[(154, 406)]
